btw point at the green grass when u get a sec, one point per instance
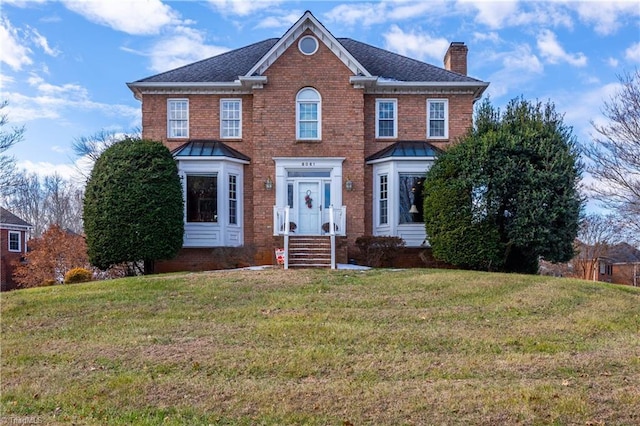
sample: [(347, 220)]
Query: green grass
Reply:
[(323, 347)]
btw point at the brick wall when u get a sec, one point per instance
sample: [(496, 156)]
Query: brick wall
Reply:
[(269, 130), (9, 260)]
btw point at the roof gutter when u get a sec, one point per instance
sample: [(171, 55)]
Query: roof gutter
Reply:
[(243, 83), (377, 83)]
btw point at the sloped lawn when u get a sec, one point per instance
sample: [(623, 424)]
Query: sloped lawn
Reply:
[(323, 347)]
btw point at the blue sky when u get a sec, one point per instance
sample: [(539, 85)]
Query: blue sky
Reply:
[(65, 64)]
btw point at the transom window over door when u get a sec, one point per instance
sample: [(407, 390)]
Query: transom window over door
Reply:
[(231, 118), (386, 118), (308, 115), (178, 118), (437, 118)]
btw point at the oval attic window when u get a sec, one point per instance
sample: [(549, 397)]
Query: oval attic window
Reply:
[(308, 45)]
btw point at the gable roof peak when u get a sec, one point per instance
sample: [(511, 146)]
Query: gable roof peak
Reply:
[(308, 22)]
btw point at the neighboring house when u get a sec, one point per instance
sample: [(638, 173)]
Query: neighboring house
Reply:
[(305, 135), (618, 264), (13, 246)]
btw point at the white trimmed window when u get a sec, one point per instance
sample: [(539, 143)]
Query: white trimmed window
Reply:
[(202, 198), (233, 199), (383, 199), (386, 118), (437, 119), (178, 118), (14, 241), (410, 198), (308, 115), (231, 118)]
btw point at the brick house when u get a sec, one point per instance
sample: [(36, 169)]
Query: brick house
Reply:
[(13, 246), (306, 135), (618, 264)]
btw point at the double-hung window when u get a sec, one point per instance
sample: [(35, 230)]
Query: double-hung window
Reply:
[(233, 199), (308, 115), (178, 118), (231, 118), (437, 119), (14, 241), (383, 199), (386, 118)]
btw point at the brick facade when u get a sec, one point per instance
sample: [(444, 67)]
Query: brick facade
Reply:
[(9, 259), (269, 131)]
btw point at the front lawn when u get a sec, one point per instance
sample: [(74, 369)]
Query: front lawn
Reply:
[(323, 347)]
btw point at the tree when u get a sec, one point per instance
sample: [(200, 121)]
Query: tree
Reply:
[(7, 140), (133, 209), (51, 256), (46, 201), (615, 153), (596, 234), (507, 194), (89, 148)]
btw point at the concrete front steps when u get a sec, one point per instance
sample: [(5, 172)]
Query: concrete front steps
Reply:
[(309, 252)]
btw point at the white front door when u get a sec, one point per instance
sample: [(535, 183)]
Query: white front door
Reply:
[(309, 208)]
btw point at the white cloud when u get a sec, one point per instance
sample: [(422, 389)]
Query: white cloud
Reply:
[(42, 168), (492, 37), (362, 14), (132, 17), (372, 13), (42, 41), (606, 17), (613, 62), (58, 102), (519, 66), (633, 52), (282, 21), (415, 45), (242, 7), (492, 14), (14, 51), (554, 53), (510, 13), (185, 46), (582, 108)]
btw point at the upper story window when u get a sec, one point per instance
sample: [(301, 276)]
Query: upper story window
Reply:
[(308, 115), (231, 118), (437, 119), (308, 45), (14, 241), (178, 118), (386, 118)]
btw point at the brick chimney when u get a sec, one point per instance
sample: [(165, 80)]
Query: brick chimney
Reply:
[(456, 57)]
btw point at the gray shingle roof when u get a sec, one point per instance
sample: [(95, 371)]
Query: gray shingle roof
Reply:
[(391, 66), (8, 218), (208, 148), (406, 149), (227, 67), (623, 253)]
